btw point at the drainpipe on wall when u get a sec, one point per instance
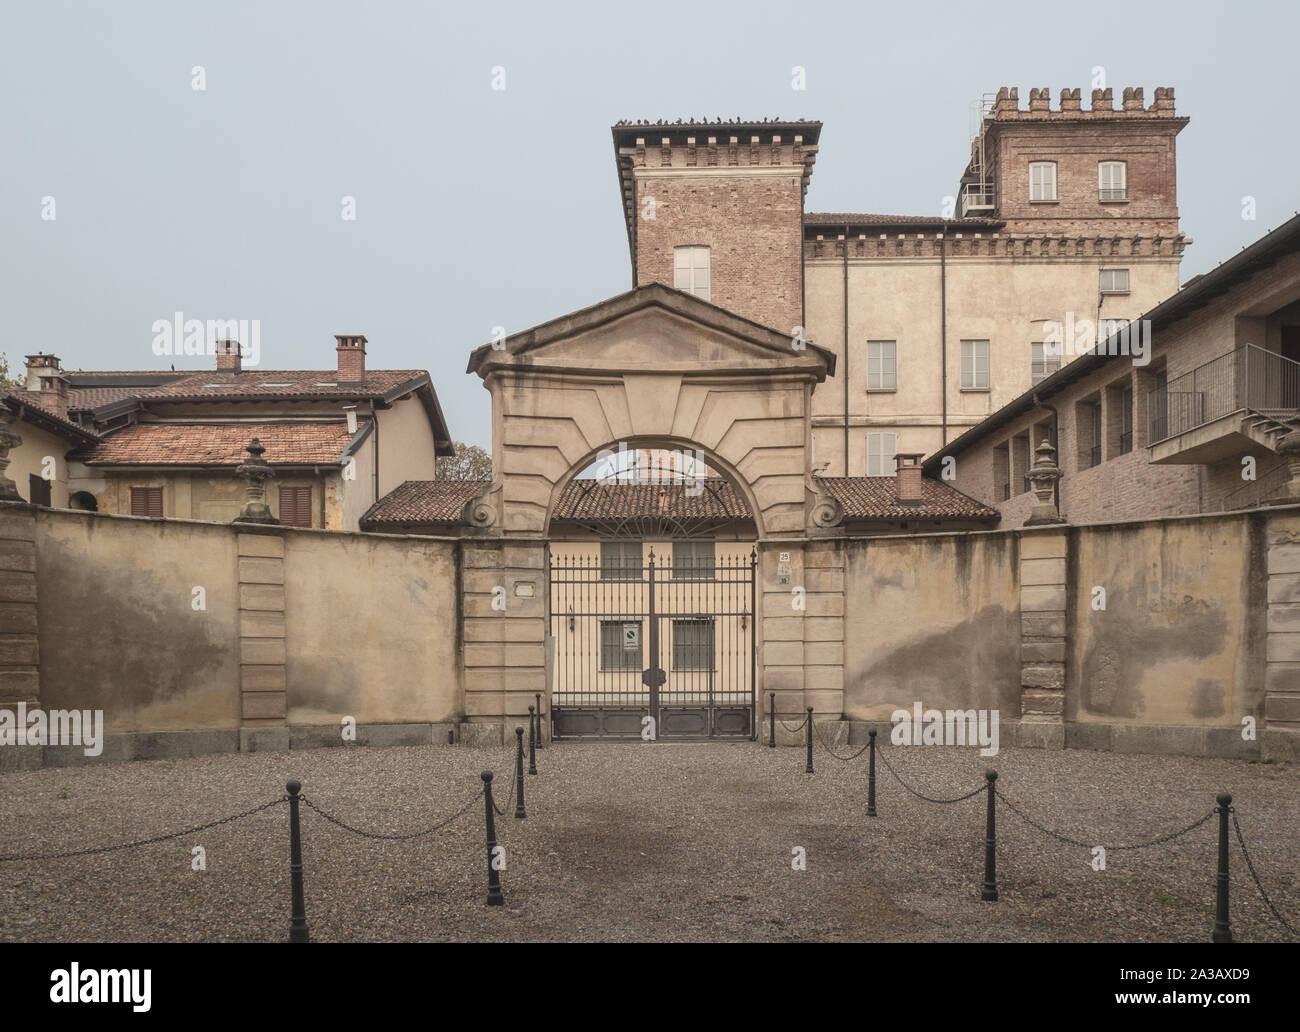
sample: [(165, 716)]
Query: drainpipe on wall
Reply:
[(374, 422), (943, 328), (846, 350)]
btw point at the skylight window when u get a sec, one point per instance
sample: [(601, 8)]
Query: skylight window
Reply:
[(326, 384), (268, 384)]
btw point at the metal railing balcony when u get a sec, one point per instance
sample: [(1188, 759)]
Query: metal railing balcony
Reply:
[(975, 197), (1248, 377)]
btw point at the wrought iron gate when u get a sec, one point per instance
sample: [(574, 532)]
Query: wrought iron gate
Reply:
[(636, 640)]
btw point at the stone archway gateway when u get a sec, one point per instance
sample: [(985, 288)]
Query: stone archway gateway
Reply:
[(652, 368)]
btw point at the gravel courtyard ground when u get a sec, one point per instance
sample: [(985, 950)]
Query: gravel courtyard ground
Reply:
[(635, 841)]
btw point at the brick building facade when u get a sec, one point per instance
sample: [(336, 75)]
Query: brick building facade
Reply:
[(936, 321)]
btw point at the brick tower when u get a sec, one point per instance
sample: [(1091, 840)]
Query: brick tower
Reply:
[(716, 209)]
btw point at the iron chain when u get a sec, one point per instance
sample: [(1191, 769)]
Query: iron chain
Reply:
[(793, 730), (919, 795), (1089, 845), (149, 841), (1241, 841), (822, 738), (398, 837)]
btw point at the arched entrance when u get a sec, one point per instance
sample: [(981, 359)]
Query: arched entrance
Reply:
[(652, 601), (658, 369)]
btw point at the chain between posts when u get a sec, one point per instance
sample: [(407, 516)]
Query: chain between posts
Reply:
[(149, 841), (821, 737), (514, 774), (793, 730), (397, 837), (1089, 845), (929, 799), (1241, 841)]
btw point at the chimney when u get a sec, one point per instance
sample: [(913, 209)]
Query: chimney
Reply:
[(229, 356), (40, 365), (352, 357), (907, 481)]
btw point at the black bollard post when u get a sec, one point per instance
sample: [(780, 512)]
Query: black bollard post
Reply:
[(771, 720), (990, 891), (298, 920), (538, 697), (494, 896), (810, 766), (532, 741), (871, 774), (1222, 929), (520, 813)]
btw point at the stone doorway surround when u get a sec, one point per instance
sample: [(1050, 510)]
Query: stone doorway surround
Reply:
[(651, 368)]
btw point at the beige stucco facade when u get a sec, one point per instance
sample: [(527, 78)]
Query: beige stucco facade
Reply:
[(899, 296)]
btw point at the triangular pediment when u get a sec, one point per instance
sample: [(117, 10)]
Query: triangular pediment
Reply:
[(654, 329)]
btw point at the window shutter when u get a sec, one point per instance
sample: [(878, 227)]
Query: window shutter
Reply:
[(295, 506), (146, 501)]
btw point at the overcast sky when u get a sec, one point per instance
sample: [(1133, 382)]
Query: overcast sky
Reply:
[(478, 207)]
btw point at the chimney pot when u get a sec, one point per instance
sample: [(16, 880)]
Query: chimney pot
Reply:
[(40, 365), (907, 479), (351, 348), (230, 356)]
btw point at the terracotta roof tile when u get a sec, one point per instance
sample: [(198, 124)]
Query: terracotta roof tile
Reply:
[(863, 498), (281, 383), (220, 444), (873, 498)]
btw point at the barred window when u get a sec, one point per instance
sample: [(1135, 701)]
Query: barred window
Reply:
[(694, 560), (692, 644), (620, 560), (620, 645)]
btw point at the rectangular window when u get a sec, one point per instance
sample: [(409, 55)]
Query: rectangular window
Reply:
[(692, 644), (693, 560), (691, 270), (1042, 180), (974, 365), (620, 644), (881, 449), (1020, 463), (1126, 420), (620, 560), (1114, 281), (146, 501), (1091, 433), (1002, 472), (38, 490), (1042, 363), (295, 506), (882, 369), (1112, 180)]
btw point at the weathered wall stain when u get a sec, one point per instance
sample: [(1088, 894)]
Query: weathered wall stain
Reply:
[(975, 663), (119, 632)]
